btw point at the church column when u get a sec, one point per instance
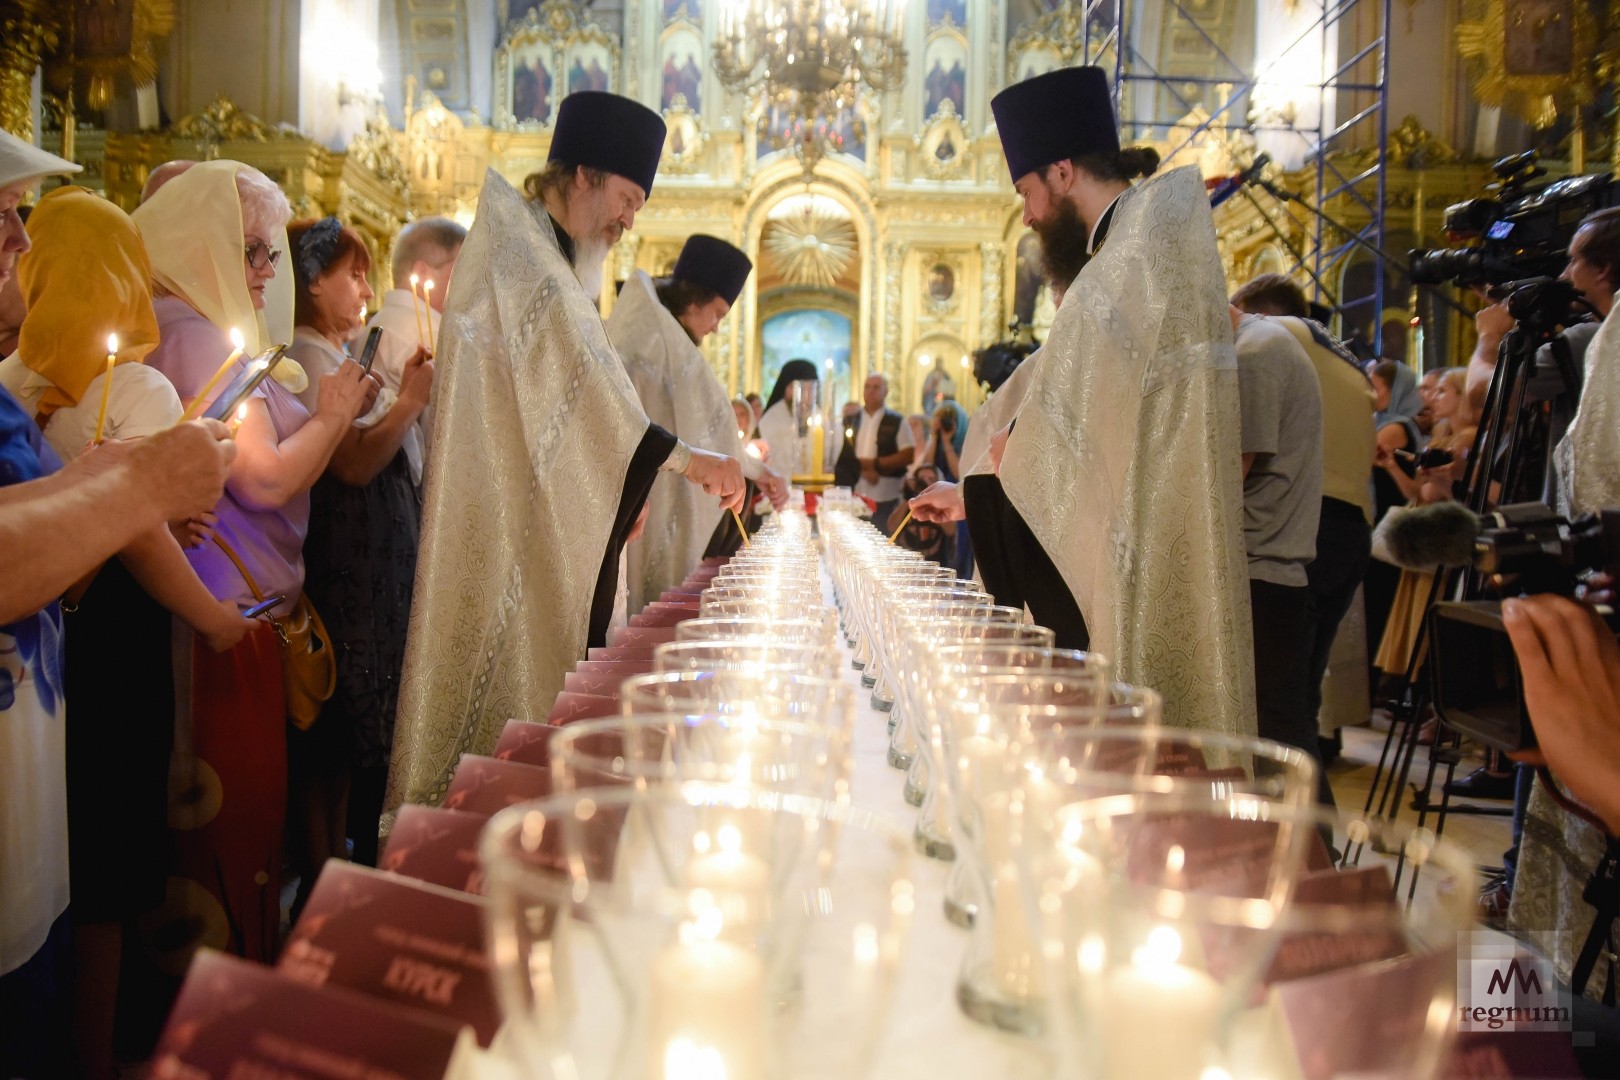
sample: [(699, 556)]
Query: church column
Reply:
[(894, 262), (990, 255), (24, 37)]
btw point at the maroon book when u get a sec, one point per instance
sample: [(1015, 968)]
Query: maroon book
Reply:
[(485, 786), (395, 938), (570, 706), (234, 1018), (601, 683), (436, 845), (526, 743), (681, 596), (1512, 1055), (640, 637), (1343, 1021), (622, 668), (641, 654), (663, 615)]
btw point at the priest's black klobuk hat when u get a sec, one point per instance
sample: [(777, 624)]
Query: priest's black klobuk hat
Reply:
[(609, 132), (716, 265), (1063, 114)]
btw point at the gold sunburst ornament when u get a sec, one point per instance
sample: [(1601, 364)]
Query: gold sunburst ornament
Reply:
[(811, 246)]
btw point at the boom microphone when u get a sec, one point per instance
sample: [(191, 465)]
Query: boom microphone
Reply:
[(1230, 186), (1440, 534)]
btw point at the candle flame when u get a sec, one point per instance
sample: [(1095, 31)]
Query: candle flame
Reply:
[(241, 412), (686, 1060), (112, 344), (1163, 948), (237, 339), (427, 286), (415, 280)]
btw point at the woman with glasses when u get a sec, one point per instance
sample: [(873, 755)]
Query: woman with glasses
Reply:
[(360, 557), (215, 236)]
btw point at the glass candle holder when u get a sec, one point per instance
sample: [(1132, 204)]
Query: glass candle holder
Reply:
[(763, 952), (746, 655), (742, 693), (1363, 979), (1153, 916), (795, 631), (751, 750)]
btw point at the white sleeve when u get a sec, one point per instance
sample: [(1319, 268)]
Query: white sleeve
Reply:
[(904, 441)]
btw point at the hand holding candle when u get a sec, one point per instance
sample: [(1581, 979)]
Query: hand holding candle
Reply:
[(427, 314), (200, 402), (106, 385), (416, 309)]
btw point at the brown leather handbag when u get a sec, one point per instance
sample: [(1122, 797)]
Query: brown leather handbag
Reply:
[(308, 664)]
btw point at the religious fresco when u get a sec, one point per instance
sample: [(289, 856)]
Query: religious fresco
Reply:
[(941, 10), (1037, 61), (681, 72), (1027, 280), (810, 334), (590, 67), (534, 85), (945, 78), (690, 10)]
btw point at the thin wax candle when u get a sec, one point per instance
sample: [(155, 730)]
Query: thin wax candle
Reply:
[(106, 385), (200, 402)]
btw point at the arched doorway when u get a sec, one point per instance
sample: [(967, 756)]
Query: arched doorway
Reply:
[(814, 289)]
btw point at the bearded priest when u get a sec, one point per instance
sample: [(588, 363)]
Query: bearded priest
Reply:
[(657, 326), (542, 455), (1115, 501)]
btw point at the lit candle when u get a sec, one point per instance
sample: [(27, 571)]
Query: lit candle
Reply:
[(200, 402), (705, 1015), (106, 385), (732, 870), (427, 313), (818, 445), (1159, 1016), (416, 309), (241, 415)]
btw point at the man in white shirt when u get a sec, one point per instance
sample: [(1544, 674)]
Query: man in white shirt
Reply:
[(874, 461), (428, 248)]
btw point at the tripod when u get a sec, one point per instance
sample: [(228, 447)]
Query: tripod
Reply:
[(1498, 458)]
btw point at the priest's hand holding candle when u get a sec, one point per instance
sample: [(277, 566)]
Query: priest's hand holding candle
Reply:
[(106, 385)]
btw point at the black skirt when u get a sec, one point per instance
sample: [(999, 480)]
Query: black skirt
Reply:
[(119, 688)]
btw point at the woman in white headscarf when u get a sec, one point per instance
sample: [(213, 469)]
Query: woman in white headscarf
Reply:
[(216, 235)]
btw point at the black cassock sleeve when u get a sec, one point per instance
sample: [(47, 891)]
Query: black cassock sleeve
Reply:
[(1015, 567), (650, 453)]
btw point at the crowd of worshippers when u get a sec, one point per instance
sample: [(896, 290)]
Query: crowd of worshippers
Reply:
[(233, 645)]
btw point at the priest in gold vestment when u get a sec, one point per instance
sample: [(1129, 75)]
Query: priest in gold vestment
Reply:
[(542, 457), (656, 327)]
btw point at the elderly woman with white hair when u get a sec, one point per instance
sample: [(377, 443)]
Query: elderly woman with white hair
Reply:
[(215, 235)]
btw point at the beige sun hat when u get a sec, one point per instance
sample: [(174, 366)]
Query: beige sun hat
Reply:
[(21, 160)]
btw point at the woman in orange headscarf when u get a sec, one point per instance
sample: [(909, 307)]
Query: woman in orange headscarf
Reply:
[(87, 276)]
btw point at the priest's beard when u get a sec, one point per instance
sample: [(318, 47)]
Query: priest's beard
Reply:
[(590, 261), (1063, 244)]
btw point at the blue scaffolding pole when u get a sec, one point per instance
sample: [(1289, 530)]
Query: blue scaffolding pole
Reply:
[(1363, 74)]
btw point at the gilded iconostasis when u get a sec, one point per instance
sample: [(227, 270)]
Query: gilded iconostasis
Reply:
[(881, 219)]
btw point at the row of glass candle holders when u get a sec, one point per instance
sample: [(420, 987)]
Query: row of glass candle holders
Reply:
[(703, 900)]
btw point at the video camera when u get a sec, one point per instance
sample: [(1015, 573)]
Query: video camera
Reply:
[(1523, 548), (1521, 231)]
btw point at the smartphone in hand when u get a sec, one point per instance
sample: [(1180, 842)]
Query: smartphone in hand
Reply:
[(262, 607), (368, 355), (246, 381)]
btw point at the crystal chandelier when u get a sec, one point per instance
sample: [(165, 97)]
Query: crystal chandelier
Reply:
[(808, 57)]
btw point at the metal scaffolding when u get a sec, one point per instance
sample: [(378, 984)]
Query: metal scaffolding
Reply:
[(1349, 76)]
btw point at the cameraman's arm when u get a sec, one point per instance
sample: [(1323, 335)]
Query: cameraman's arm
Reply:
[(1492, 323), (1571, 669)]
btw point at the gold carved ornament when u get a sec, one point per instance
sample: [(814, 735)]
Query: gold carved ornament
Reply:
[(111, 38), (811, 246), (1531, 56)]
